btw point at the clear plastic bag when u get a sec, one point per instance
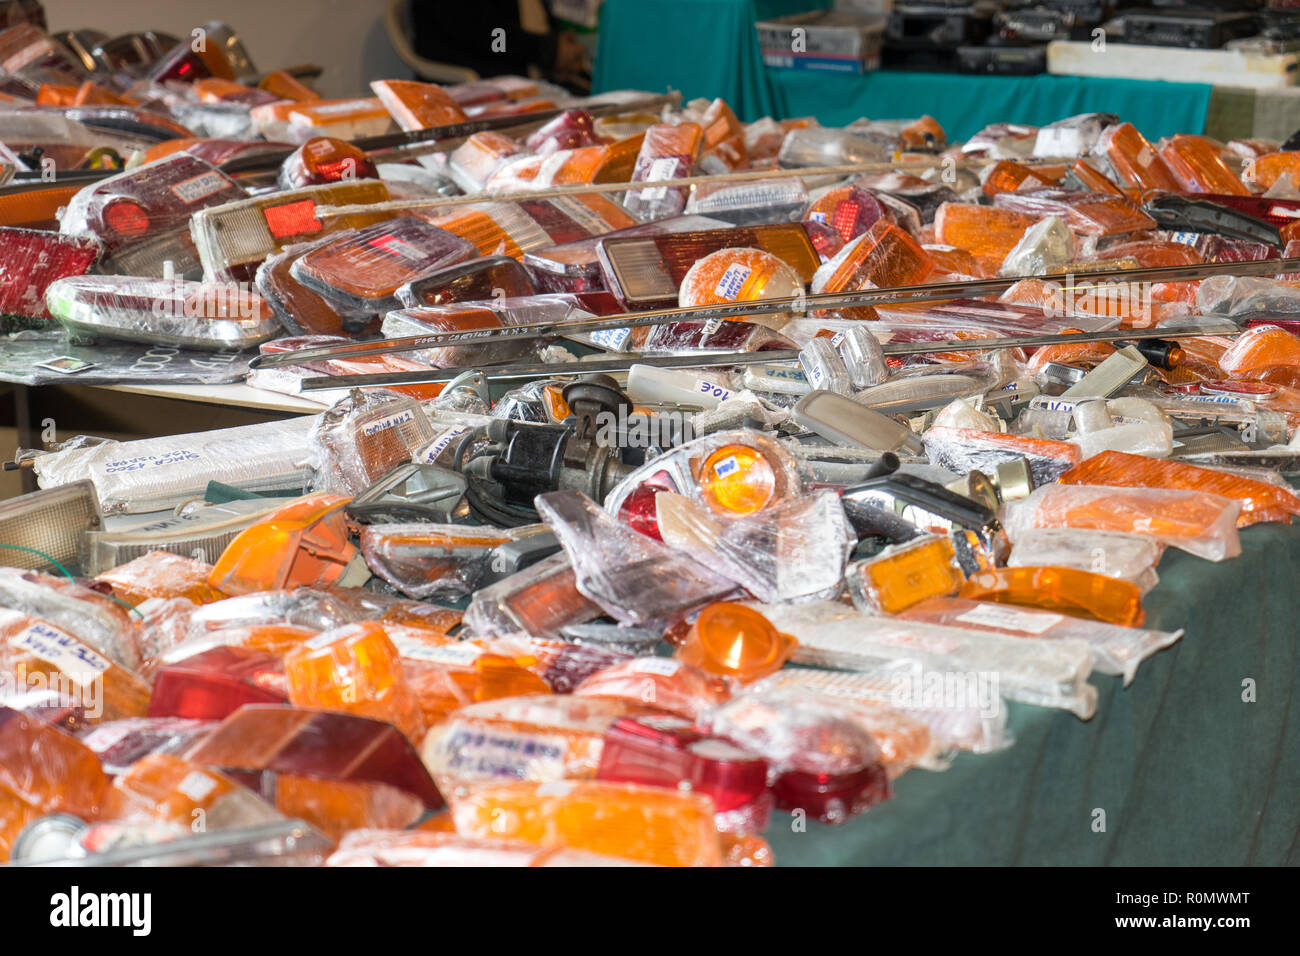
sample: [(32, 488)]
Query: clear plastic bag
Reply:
[(793, 551), (87, 615), (961, 450), (635, 579), (1045, 246), (365, 436), (1129, 557), (1197, 522), (152, 474), (956, 721), (1115, 650), (1046, 674)]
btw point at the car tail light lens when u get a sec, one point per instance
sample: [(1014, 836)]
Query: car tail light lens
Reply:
[(429, 560), (152, 206), (732, 640), (638, 510), (286, 87), (848, 210), (222, 55), (299, 309), (647, 272), (303, 544), (461, 317), (235, 238), (737, 479), (126, 218), (575, 267), (490, 277), (201, 315), (649, 824), (357, 669), (48, 522), (495, 229), (343, 119), (751, 203), (573, 218), (32, 646), (25, 47), (417, 105), (669, 752), (31, 259), (215, 683), (906, 575), (538, 600), (734, 275), (217, 90), (325, 160), (667, 152), (256, 740), (362, 272)]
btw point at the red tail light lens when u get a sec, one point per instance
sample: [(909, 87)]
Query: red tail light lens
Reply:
[(126, 218), (325, 160), (31, 259), (214, 684)]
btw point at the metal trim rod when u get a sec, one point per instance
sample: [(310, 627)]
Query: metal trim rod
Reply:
[(895, 295), (710, 360)]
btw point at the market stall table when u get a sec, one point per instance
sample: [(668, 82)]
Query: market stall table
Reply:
[(1189, 765), (965, 104)]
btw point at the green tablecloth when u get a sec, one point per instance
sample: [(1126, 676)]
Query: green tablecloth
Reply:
[(709, 48), (964, 104), (1187, 772), (700, 47)]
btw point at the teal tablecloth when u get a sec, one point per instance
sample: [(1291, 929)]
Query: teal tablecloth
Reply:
[(964, 104), (701, 47), (1187, 772), (709, 48)]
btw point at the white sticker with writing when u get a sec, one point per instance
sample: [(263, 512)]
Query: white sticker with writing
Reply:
[(1012, 619), (79, 662)]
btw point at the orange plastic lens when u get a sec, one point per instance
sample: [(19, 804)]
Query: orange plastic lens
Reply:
[(1196, 162), (1260, 501), (159, 574), (650, 824), (356, 669), (287, 87), (1136, 160), (36, 653), (981, 230), (304, 544), (735, 641), (43, 770), (1066, 590), (907, 575), (737, 480)]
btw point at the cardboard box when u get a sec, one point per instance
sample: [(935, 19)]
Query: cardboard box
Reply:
[(832, 41)]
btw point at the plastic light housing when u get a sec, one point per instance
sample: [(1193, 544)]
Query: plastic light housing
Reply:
[(302, 544), (234, 238), (215, 683), (50, 522), (362, 272), (199, 315), (153, 204), (647, 272)]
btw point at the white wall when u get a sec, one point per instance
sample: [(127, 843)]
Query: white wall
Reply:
[(346, 37)]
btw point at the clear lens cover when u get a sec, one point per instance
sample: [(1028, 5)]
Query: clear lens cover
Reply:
[(200, 315)]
